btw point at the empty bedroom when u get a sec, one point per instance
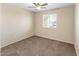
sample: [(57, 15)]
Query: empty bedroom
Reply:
[(39, 29)]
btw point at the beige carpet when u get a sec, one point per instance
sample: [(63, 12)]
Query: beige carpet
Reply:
[(38, 46)]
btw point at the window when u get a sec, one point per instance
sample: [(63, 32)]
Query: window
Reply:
[(49, 20)]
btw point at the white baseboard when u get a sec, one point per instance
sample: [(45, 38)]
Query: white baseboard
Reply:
[(54, 39), (16, 41)]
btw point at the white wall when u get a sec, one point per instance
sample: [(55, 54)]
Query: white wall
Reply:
[(77, 27), (65, 25), (17, 24)]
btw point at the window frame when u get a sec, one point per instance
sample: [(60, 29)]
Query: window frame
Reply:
[(54, 25)]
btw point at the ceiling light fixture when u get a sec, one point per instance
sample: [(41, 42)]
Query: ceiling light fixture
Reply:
[(39, 7)]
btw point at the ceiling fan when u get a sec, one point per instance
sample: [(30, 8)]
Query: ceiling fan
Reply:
[(39, 6)]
